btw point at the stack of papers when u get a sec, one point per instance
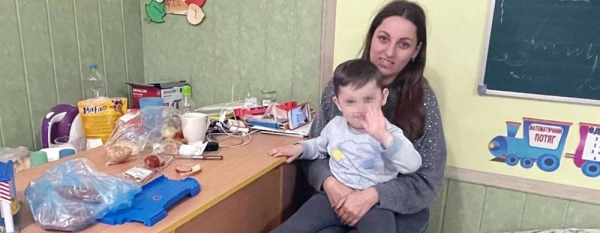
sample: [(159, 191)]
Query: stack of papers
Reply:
[(300, 132)]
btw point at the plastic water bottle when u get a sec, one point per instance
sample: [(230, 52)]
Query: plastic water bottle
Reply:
[(95, 84), (187, 103)]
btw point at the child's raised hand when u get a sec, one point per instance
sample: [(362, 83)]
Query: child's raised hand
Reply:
[(292, 152), (375, 124)]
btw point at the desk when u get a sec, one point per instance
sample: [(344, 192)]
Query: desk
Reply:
[(245, 192)]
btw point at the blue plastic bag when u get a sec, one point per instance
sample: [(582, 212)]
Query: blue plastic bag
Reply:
[(72, 195)]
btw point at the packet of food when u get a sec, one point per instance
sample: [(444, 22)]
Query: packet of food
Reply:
[(127, 139), (99, 115), (147, 170)]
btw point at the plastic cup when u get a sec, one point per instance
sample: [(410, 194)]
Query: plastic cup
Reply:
[(38, 158), (151, 101), (152, 117), (79, 144)]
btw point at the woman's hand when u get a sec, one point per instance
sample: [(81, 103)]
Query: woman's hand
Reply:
[(335, 190), (375, 125), (292, 152), (354, 206)]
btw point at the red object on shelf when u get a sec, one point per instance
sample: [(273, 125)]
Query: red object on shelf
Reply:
[(250, 111), (287, 105)]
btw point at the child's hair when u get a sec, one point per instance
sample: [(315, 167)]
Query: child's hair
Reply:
[(356, 72)]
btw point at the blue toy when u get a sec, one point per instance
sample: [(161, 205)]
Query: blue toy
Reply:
[(150, 206), (542, 144)]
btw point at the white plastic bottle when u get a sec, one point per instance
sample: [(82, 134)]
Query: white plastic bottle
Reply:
[(95, 84)]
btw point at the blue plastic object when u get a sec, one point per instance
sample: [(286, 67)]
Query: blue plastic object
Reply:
[(65, 152), (6, 172), (151, 101), (268, 124), (150, 206)]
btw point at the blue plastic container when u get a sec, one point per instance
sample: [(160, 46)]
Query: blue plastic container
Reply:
[(151, 101)]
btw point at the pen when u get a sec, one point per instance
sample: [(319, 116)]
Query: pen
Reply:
[(202, 157)]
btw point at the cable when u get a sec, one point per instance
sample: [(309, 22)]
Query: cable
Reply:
[(233, 89), (246, 138)]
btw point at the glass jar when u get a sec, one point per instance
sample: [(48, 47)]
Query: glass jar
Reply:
[(269, 96)]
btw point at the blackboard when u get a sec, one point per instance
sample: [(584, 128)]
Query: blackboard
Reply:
[(543, 49)]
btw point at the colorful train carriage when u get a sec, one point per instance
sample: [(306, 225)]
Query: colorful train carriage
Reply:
[(542, 143), (587, 154)]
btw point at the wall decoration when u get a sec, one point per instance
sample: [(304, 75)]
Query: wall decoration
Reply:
[(587, 154), (155, 11), (542, 144), (176, 7), (191, 8)]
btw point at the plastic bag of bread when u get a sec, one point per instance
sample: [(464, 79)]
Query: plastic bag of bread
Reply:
[(72, 195), (127, 139), (19, 156)]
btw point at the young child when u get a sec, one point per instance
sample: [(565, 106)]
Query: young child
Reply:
[(364, 147)]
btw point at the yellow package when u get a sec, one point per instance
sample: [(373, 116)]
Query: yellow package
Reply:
[(99, 116)]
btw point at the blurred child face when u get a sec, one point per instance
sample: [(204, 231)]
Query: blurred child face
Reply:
[(353, 102)]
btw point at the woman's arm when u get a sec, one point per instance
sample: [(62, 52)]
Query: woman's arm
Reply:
[(318, 170), (413, 192)]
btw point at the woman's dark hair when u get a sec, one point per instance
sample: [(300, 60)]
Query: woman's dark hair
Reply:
[(356, 72), (409, 114)]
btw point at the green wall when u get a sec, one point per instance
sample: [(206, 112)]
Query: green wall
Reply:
[(270, 43), (46, 47), (465, 207)]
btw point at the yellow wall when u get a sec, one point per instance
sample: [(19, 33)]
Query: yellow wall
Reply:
[(456, 34)]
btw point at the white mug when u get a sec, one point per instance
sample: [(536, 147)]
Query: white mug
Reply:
[(194, 126)]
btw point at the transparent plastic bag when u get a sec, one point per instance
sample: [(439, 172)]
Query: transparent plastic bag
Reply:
[(19, 156), (127, 140), (161, 122), (167, 146), (72, 195)]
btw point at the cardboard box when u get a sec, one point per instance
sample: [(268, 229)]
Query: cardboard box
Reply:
[(169, 91)]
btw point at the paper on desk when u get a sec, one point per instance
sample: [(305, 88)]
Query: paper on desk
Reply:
[(196, 148), (302, 131)]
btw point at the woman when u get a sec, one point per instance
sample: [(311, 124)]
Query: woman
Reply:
[(396, 43)]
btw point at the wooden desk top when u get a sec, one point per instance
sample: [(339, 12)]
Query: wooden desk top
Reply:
[(218, 179)]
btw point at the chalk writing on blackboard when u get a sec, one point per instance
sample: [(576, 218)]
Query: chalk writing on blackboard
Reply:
[(543, 49)]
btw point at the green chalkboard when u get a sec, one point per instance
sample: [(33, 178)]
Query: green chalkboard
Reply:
[(543, 49)]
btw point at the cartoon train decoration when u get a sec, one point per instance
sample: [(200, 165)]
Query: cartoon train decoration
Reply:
[(542, 144), (587, 154)]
